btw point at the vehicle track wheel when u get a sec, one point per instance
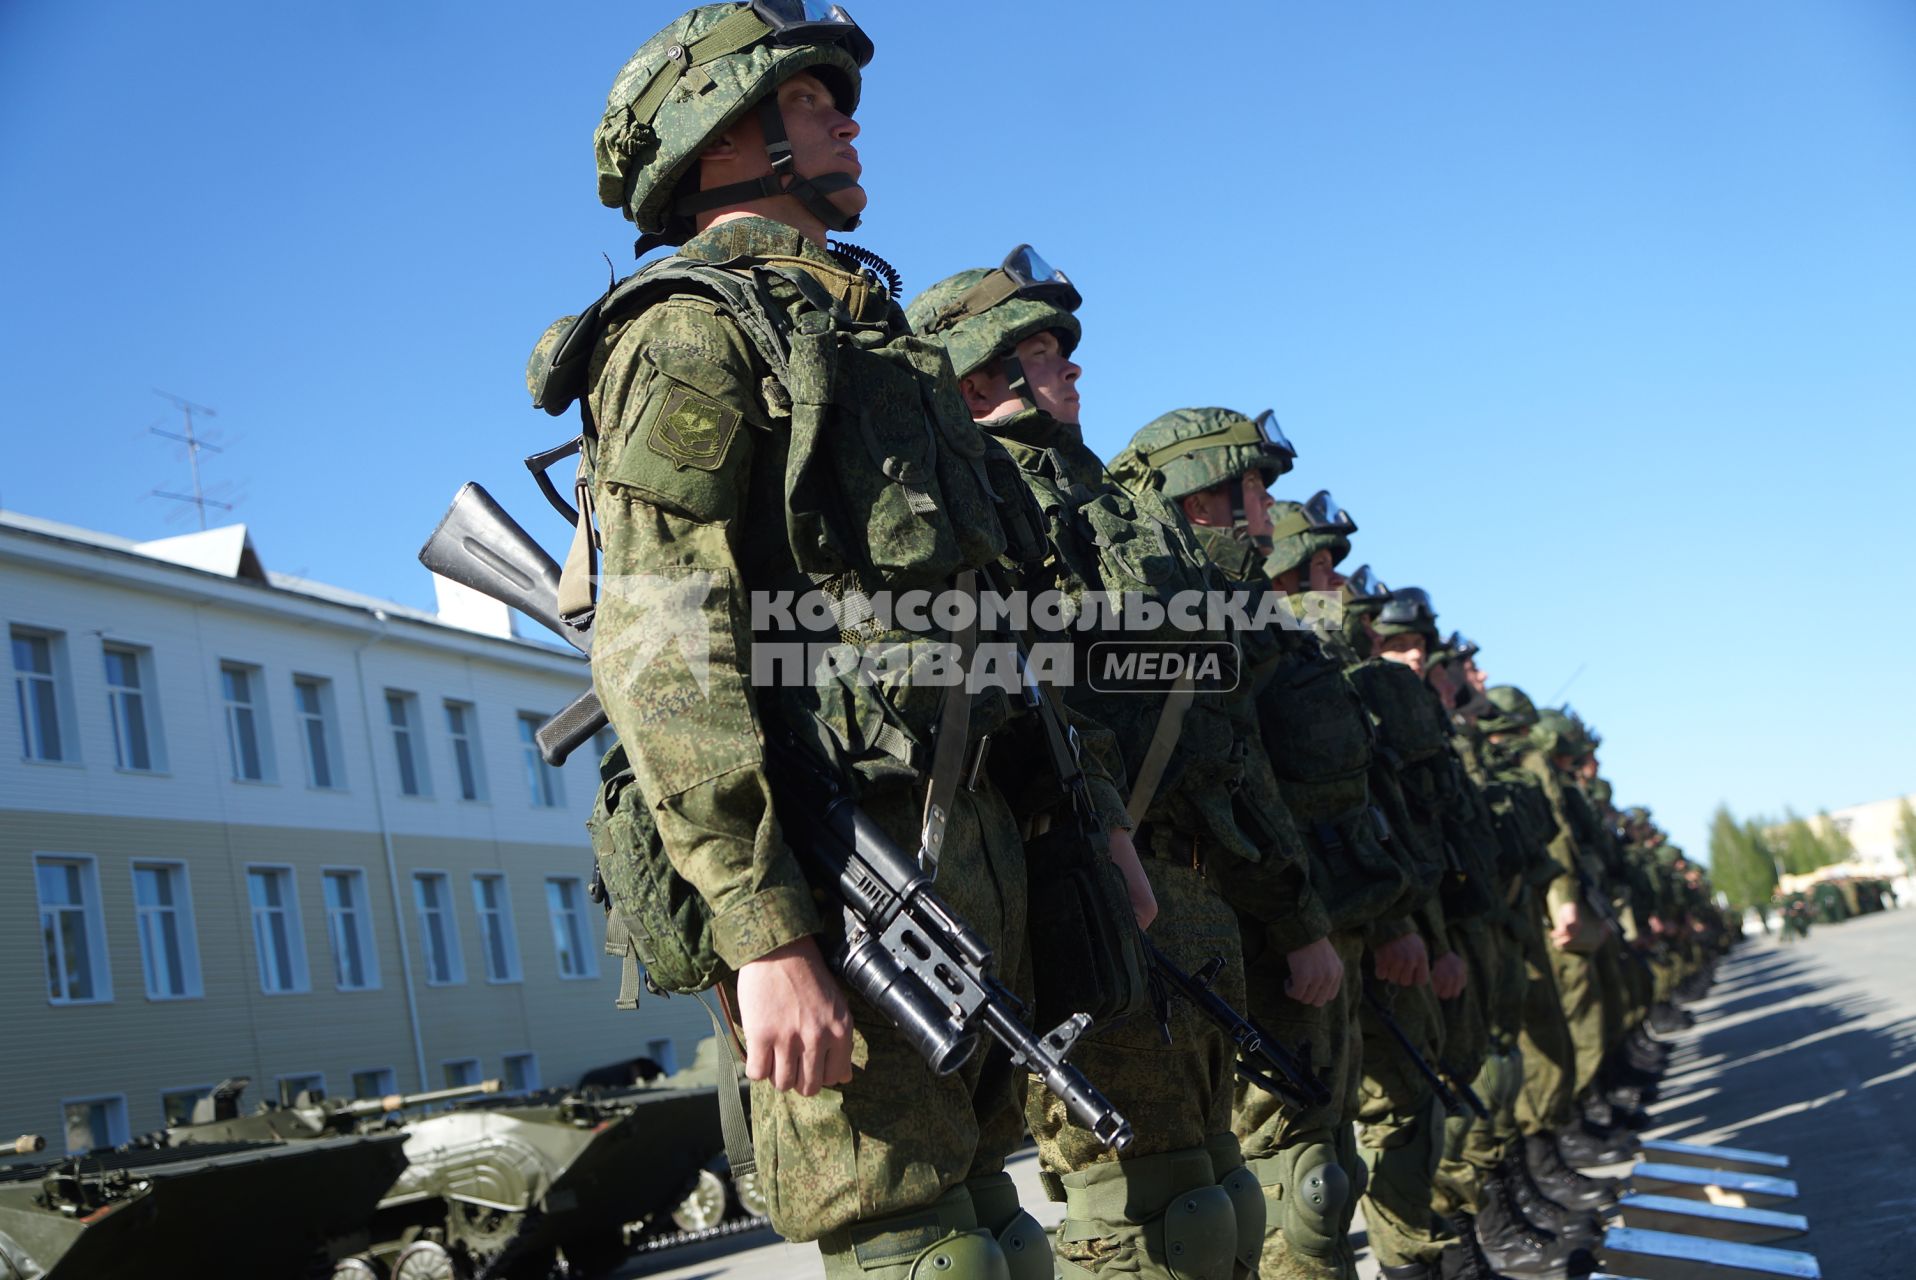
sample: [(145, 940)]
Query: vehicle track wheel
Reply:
[(704, 1207), (358, 1269), (428, 1260), (750, 1197)]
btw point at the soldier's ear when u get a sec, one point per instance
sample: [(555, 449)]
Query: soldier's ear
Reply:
[(723, 148)]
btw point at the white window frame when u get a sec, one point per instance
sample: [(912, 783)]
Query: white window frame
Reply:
[(261, 723), (362, 926), (182, 909), (295, 930), (545, 785), (204, 1090), (455, 953), (409, 744), (117, 1131), (478, 1072), (284, 1098), (468, 738), (59, 681), (534, 1081), (389, 1077), (509, 935), (326, 719), (589, 971), (94, 919), (147, 694)]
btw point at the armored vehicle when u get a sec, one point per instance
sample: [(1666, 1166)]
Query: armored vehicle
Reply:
[(217, 1117), (239, 1208)]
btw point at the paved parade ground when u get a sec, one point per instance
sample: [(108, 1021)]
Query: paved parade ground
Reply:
[(1808, 1050)]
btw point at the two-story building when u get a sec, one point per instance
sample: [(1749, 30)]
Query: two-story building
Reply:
[(253, 825)]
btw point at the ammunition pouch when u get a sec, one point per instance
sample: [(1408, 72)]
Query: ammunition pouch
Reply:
[(658, 924), (1087, 955)]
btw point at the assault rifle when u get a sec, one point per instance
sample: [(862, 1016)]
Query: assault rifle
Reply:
[(1279, 1072), (1453, 1100), (905, 951)]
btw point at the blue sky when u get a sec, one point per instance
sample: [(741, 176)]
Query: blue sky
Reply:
[(1601, 319)]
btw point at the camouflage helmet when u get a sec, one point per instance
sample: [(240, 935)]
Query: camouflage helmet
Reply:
[(983, 314), (1511, 710), (1455, 647), (691, 81), (1299, 530), (1555, 734), (1187, 451), (1407, 612)]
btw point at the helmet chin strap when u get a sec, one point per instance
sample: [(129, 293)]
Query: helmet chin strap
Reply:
[(1014, 371), (783, 180)]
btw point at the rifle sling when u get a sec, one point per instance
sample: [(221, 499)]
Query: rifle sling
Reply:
[(948, 751), (1158, 755)]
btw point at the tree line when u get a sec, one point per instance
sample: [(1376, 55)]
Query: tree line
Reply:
[(1747, 857)]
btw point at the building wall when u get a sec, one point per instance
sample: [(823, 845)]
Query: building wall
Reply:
[(195, 812)]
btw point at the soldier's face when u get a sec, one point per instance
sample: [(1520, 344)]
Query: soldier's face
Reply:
[(1474, 674), (1443, 679), (1324, 574), (1407, 649), (1051, 375), (1257, 506), (821, 137)]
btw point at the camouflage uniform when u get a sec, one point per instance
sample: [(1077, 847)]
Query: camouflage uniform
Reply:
[(1318, 740), (1201, 843), (718, 470)]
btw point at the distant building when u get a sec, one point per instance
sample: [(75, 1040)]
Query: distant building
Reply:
[(1874, 829), (251, 825)]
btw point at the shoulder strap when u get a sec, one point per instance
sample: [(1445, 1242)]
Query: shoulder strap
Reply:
[(1156, 756), (954, 726)]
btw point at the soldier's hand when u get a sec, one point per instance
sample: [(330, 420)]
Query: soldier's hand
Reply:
[(1144, 903), (1404, 961), (1569, 918), (1316, 973), (798, 1030), (1448, 976)]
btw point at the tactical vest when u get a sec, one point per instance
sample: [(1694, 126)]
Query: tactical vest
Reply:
[(1121, 543), (886, 484)]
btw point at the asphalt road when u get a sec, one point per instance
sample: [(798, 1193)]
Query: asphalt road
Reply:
[(1808, 1050)]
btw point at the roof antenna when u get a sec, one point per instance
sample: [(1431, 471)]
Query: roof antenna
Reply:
[(193, 445)]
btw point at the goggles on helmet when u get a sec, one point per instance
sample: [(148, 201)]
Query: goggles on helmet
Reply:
[(809, 22), (1365, 585), (1273, 435), (1460, 647), (1412, 604), (1320, 514), (1023, 274)]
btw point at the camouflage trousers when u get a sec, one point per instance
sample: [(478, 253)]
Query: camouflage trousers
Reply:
[(1473, 1146), (1307, 1161), (1177, 1096), (1400, 1129), (1547, 1100), (897, 1137)]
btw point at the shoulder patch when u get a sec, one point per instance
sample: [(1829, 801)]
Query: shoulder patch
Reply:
[(693, 430)]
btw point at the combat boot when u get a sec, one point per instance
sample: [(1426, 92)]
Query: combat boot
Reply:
[(1577, 1228), (1511, 1243), (1584, 1146), (1465, 1259), (1562, 1183), (1667, 1018), (1411, 1271)]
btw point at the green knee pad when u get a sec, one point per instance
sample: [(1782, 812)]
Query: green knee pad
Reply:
[(1306, 1193), (1161, 1217), (939, 1242), (1027, 1250), (1246, 1196)]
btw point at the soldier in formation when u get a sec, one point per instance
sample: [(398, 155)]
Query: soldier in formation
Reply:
[(1359, 842)]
